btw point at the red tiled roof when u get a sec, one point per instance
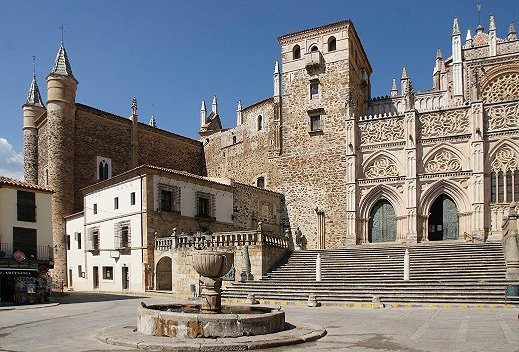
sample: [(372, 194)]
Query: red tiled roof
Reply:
[(7, 181)]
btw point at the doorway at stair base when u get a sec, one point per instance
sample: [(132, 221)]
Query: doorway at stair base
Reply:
[(382, 223), (164, 274), (443, 220)]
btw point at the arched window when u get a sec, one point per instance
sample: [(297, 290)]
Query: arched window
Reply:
[(233, 139), (104, 168), (314, 48), (296, 52), (260, 122), (332, 44), (500, 186), (493, 184)]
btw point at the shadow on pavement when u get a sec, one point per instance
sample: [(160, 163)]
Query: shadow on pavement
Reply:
[(83, 297)]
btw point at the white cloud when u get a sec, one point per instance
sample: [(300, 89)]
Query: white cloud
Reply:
[(11, 162)]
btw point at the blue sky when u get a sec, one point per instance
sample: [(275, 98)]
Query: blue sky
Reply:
[(173, 54)]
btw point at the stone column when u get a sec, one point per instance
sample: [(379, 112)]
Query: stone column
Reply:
[(511, 245)]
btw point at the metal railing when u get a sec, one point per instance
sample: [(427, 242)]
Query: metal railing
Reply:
[(42, 252)]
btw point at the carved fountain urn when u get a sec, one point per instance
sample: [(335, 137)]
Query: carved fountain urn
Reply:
[(211, 266)]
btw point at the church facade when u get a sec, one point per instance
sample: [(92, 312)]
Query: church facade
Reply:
[(408, 167)]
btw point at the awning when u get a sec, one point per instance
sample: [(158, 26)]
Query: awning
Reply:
[(18, 272)]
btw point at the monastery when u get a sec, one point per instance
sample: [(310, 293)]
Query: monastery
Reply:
[(346, 168)]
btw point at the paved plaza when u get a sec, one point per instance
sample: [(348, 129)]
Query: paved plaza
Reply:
[(71, 326)]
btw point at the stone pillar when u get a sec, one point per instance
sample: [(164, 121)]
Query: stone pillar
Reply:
[(480, 211), (411, 190), (351, 184), (406, 265), (318, 268), (246, 269), (511, 245)]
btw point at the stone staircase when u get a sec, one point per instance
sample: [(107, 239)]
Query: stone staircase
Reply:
[(441, 272)]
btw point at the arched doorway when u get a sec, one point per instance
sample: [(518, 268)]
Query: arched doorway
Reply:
[(382, 223), (164, 279), (443, 220)]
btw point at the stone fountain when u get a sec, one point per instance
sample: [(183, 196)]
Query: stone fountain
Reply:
[(209, 318)]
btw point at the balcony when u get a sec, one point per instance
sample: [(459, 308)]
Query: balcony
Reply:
[(313, 59), (42, 253)]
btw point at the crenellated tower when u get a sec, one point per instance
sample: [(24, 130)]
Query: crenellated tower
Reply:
[(61, 112)]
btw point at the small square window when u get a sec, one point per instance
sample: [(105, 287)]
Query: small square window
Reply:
[(95, 208), (314, 90), (116, 203), (108, 272), (315, 123), (132, 198)]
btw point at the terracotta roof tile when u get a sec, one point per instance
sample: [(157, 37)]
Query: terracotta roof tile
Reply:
[(7, 181)]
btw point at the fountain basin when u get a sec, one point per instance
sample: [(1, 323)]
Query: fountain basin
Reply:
[(156, 320)]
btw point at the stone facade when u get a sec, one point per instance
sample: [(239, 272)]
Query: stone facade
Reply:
[(408, 167), (415, 166)]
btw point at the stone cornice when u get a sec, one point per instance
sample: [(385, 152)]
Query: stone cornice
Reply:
[(306, 33)]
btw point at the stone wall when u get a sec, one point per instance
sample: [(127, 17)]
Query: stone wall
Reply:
[(241, 153), (262, 258)]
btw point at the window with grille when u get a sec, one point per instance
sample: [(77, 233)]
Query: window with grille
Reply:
[(205, 205), (314, 90), (93, 238), (169, 198), (122, 235), (25, 240), (315, 123), (108, 272)]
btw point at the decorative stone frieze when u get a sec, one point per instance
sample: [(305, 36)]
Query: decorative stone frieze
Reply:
[(439, 124), (505, 159), (503, 116), (382, 131), (443, 161), (502, 88), (382, 166)]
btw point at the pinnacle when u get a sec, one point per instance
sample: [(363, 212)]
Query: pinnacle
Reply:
[(34, 97), (62, 64), (456, 27)]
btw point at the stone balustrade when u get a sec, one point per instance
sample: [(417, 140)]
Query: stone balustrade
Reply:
[(221, 239)]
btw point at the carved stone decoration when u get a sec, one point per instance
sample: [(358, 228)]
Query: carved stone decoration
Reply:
[(439, 124), (377, 131), (382, 166), (503, 88), (503, 116), (505, 159), (443, 161)]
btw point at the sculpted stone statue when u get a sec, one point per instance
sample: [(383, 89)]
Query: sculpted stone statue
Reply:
[(298, 235)]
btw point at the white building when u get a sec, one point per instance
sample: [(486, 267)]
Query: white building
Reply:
[(110, 244)]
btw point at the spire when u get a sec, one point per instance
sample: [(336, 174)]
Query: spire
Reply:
[(239, 114), (134, 107), (404, 73), (439, 54), (202, 114), (214, 108), (277, 86), (492, 25), (455, 27), (62, 64), (512, 33), (468, 39), (34, 97), (153, 123), (394, 89), (276, 67)]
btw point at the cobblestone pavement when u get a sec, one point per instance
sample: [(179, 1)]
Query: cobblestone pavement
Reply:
[(71, 325)]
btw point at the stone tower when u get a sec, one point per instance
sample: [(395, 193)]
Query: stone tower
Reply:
[(33, 109), (325, 80), (61, 112)]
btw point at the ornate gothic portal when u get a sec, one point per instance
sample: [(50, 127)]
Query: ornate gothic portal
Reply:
[(164, 278), (443, 220), (382, 223)]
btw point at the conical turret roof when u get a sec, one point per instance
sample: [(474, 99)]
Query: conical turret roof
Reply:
[(62, 64), (34, 97)]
